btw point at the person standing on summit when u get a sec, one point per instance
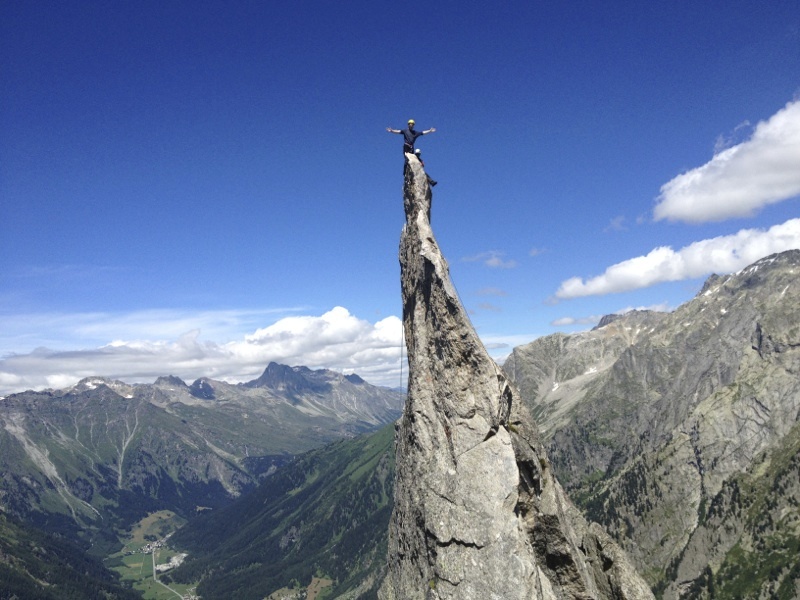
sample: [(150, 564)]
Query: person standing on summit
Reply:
[(410, 135)]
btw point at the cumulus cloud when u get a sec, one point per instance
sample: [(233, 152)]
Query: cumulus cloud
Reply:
[(335, 340), (724, 142), (493, 259), (723, 254), (742, 179), (57, 330)]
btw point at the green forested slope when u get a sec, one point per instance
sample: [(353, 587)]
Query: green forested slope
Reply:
[(37, 566), (750, 533), (326, 514)]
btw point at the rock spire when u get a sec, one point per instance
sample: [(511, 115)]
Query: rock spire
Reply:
[(478, 513)]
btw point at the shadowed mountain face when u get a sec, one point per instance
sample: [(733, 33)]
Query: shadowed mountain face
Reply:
[(679, 432), (478, 512), (35, 565), (102, 454)]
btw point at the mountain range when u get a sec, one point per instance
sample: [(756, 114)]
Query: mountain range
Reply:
[(100, 455), (679, 432)]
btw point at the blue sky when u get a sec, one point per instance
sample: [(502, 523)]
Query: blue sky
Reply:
[(197, 188)]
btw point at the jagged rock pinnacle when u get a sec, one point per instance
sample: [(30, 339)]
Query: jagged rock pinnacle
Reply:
[(478, 513)]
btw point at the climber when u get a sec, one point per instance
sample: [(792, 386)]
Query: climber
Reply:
[(410, 135), (418, 154)]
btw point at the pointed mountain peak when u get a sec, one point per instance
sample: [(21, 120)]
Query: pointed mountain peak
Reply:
[(292, 380), (202, 389), (170, 381), (478, 512)]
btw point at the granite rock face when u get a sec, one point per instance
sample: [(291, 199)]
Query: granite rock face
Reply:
[(478, 512)]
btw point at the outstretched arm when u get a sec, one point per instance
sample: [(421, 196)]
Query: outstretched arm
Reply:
[(390, 130), (427, 131)]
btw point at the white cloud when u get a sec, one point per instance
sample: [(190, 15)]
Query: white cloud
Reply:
[(724, 142), (616, 224), (491, 291), (564, 321), (660, 307), (490, 307), (724, 254), (335, 340), (493, 259), (60, 331), (742, 179), (61, 272), (499, 346), (595, 319)]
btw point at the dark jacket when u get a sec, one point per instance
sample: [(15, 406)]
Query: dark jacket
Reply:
[(410, 135)]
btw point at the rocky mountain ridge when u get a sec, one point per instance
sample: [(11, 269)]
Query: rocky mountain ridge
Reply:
[(477, 512), (670, 427)]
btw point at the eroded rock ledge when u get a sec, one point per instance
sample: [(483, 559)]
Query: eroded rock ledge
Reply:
[(478, 513)]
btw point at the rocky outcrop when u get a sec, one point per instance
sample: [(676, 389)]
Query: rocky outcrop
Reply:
[(478, 512), (554, 373)]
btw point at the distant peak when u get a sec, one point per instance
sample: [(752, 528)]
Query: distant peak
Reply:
[(631, 316), (293, 380), (91, 383), (202, 389), (606, 320), (754, 275), (170, 380)]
